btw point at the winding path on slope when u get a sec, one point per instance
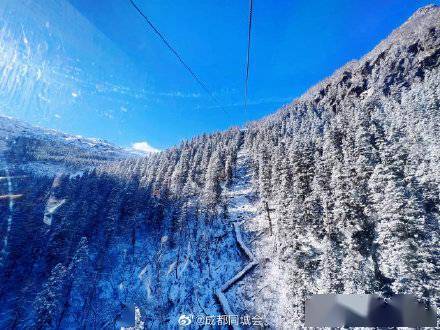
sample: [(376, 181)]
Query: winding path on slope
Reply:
[(240, 209)]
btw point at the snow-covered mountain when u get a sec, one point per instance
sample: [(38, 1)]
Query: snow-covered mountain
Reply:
[(337, 192), (49, 152)]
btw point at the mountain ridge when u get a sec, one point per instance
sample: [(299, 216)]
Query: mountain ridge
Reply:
[(48, 151), (403, 36)]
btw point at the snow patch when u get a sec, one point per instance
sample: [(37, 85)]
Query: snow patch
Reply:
[(52, 206)]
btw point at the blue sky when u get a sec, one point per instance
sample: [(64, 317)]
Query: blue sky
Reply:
[(94, 68)]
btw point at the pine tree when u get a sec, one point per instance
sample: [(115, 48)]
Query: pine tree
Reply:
[(48, 302), (212, 189)]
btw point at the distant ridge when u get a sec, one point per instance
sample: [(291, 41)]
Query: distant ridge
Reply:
[(416, 41)]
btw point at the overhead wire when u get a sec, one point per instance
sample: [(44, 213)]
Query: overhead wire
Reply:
[(175, 52), (251, 9)]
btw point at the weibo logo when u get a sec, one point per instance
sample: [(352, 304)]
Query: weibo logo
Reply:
[(185, 320)]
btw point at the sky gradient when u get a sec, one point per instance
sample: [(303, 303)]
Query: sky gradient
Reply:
[(96, 69)]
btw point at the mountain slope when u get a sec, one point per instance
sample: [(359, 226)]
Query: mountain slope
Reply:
[(49, 152), (351, 169), (336, 193)]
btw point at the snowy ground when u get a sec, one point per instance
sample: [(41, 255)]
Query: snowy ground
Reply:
[(239, 195), (242, 208), (52, 206), (260, 291), (230, 260)]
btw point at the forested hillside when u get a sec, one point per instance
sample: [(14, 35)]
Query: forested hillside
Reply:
[(337, 192)]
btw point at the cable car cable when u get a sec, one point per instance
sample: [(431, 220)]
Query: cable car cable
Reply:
[(251, 9), (174, 51)]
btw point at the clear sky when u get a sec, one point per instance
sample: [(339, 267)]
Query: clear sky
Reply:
[(94, 68)]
